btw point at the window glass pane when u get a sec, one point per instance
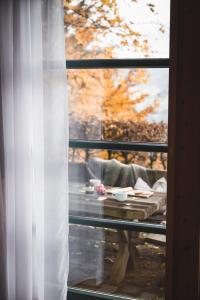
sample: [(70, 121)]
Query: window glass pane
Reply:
[(113, 261), (96, 253), (118, 104), (113, 172), (117, 29), (151, 160)]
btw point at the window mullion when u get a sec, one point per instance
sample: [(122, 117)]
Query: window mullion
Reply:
[(120, 146), (117, 63)]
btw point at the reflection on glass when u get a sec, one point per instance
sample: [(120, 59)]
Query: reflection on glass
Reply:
[(96, 253), (116, 29), (116, 104), (109, 260)]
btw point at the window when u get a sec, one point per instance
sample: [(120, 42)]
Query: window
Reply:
[(117, 59)]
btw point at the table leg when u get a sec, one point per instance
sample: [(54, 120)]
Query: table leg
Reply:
[(133, 237), (119, 268)]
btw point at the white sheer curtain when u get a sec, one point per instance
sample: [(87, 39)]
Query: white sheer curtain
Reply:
[(33, 88)]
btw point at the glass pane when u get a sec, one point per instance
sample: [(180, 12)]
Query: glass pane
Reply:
[(117, 29), (118, 104), (113, 261), (95, 254), (96, 177), (150, 160)]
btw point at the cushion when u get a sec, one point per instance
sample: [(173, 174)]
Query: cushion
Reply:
[(159, 186), (142, 185)]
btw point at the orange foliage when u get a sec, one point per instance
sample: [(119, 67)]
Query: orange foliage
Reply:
[(103, 102), (108, 94), (86, 21)]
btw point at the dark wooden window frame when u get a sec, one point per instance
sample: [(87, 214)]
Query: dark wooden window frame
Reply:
[(183, 205)]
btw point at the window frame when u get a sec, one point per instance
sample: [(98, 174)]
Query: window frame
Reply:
[(73, 292), (182, 248)]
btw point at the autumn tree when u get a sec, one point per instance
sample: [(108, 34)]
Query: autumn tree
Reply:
[(91, 23)]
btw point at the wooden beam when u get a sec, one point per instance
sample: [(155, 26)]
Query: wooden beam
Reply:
[(183, 220)]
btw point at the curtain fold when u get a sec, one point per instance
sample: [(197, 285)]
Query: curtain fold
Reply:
[(3, 293), (34, 105)]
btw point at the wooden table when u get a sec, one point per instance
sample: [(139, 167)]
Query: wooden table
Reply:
[(134, 208)]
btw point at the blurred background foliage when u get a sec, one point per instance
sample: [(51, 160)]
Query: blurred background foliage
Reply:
[(103, 103)]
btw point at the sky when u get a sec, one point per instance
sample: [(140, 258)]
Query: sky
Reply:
[(153, 26), (157, 88), (148, 24)]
